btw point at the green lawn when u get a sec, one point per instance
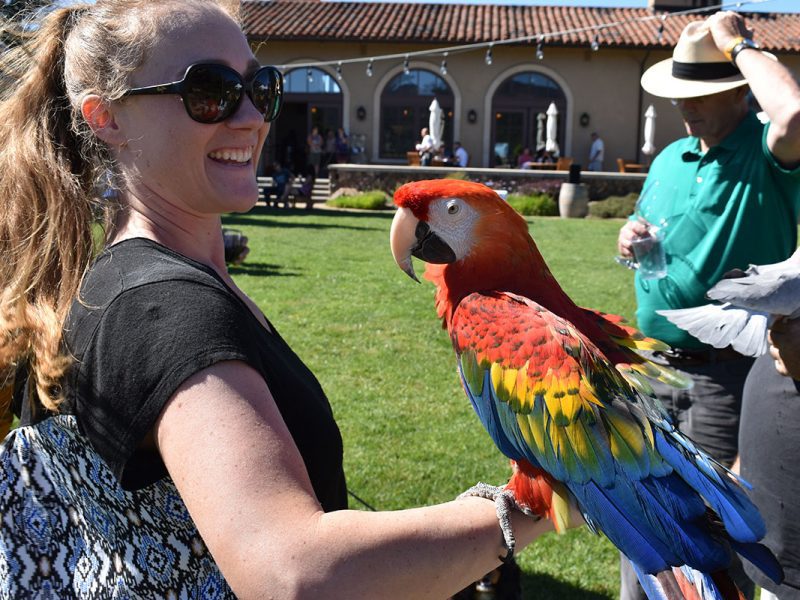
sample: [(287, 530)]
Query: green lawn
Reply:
[(327, 281)]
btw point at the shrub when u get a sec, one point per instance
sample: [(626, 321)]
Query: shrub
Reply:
[(460, 175), (540, 205), (613, 207), (372, 200)]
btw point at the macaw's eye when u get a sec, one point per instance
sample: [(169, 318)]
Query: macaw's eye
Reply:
[(453, 207)]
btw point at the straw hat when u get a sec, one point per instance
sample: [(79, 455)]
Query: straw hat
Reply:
[(697, 68)]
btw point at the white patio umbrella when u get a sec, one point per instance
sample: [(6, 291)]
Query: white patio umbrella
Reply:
[(436, 124), (540, 119), (649, 147), (551, 145)]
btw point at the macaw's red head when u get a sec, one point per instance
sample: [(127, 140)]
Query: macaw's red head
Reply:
[(448, 221)]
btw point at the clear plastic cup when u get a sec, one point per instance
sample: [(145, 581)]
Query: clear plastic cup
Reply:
[(649, 254)]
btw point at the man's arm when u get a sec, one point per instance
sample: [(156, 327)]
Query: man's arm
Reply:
[(772, 85)]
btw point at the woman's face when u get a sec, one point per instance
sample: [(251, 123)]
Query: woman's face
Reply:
[(192, 168)]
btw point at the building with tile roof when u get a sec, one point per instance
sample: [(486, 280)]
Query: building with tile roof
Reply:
[(493, 107)]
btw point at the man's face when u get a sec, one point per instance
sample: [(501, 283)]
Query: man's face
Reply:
[(713, 117)]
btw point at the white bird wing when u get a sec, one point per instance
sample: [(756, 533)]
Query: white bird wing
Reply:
[(724, 325), (774, 289)]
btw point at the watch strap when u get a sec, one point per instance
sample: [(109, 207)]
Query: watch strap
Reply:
[(728, 51), (745, 44)]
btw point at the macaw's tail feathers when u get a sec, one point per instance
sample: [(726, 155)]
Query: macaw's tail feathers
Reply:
[(685, 583), (640, 368), (724, 325), (761, 557), (534, 489)]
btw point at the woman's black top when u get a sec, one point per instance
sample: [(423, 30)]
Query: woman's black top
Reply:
[(148, 319)]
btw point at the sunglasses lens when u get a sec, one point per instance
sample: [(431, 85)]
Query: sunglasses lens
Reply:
[(268, 92), (212, 92)]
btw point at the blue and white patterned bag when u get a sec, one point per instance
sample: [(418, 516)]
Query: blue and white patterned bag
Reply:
[(68, 530)]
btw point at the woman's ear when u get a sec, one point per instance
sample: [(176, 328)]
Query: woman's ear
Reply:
[(99, 115)]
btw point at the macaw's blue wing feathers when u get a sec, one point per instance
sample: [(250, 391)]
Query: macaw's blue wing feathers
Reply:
[(739, 515)]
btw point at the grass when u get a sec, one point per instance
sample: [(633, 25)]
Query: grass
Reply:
[(327, 281)]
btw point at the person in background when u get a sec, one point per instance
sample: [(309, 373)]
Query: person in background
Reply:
[(162, 415), (596, 153), (281, 185), (523, 158), (769, 444), (329, 156), (314, 143), (425, 147), (460, 154), (342, 146), (713, 193)]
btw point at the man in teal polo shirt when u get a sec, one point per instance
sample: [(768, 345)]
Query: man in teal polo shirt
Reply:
[(724, 197)]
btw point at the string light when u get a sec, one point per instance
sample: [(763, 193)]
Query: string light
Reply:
[(339, 71), (443, 67), (596, 43), (522, 39)]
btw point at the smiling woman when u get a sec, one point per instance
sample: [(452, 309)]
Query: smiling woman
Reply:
[(121, 356)]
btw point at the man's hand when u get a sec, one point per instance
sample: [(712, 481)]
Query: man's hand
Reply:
[(629, 231), (784, 346), (725, 26)]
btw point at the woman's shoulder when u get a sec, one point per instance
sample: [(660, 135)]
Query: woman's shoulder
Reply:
[(137, 262)]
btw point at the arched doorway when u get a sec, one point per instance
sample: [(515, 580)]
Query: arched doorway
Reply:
[(518, 107), (404, 111), (312, 98)]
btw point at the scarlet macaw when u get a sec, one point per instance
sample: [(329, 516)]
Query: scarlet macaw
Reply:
[(563, 393)]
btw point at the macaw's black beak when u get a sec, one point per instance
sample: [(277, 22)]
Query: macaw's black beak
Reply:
[(430, 247)]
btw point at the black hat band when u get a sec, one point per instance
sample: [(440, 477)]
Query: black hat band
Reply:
[(704, 71)]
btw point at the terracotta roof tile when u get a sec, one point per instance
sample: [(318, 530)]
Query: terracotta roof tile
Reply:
[(451, 24)]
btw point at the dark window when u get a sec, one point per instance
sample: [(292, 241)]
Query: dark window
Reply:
[(519, 107)]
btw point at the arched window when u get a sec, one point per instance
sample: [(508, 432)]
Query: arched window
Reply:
[(405, 110), (310, 81), (519, 107), (312, 98)]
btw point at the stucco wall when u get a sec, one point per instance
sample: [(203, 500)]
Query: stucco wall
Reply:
[(603, 84)]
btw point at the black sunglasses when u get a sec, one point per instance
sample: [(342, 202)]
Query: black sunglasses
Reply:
[(212, 92)]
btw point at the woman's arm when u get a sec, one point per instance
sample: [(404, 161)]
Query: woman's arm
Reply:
[(241, 476)]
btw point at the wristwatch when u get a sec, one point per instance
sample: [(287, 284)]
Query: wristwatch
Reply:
[(738, 44)]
